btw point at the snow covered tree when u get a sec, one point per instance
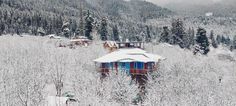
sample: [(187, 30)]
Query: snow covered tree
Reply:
[(40, 32), (231, 48), (88, 25), (218, 39), (227, 41), (223, 40), (1, 1), (188, 39), (115, 33), (104, 30), (148, 34), (73, 28), (81, 22), (178, 31), (213, 40), (202, 43), (234, 42), (192, 36), (65, 29), (165, 35)]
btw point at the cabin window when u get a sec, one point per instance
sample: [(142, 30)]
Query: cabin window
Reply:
[(140, 65), (123, 65), (105, 65)]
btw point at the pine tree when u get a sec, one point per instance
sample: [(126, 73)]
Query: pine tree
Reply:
[(148, 36), (115, 33), (218, 39), (188, 39), (234, 42), (1, 2), (227, 41), (202, 43), (103, 30), (65, 29), (231, 48), (81, 23), (88, 25), (192, 37), (213, 41), (165, 35), (223, 40), (178, 31)]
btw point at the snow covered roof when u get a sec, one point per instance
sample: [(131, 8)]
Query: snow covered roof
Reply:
[(111, 43), (80, 38), (129, 55), (54, 36)]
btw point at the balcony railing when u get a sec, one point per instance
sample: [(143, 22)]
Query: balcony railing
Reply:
[(130, 71)]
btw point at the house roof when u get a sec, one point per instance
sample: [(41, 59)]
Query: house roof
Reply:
[(111, 43), (129, 55)]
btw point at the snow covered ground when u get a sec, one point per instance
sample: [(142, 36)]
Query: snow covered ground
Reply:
[(30, 65)]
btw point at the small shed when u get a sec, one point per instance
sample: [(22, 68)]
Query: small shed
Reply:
[(133, 61)]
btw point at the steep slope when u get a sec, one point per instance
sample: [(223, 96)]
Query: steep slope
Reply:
[(26, 16)]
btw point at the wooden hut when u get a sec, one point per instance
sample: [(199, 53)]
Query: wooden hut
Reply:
[(134, 61)]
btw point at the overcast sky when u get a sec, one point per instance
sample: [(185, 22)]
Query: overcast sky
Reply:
[(164, 2)]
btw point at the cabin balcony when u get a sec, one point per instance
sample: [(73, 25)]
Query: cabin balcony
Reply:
[(127, 71)]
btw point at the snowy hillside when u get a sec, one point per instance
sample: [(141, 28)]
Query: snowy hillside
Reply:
[(30, 66)]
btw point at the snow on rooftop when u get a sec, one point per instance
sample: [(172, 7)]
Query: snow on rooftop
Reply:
[(111, 43), (129, 55)]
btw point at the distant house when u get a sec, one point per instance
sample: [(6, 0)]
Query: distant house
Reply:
[(133, 61), (81, 40), (113, 45), (110, 45)]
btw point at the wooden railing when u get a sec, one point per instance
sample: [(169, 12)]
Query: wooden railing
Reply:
[(131, 71)]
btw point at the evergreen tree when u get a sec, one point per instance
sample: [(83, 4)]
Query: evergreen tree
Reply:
[(234, 42), (1, 1), (65, 29), (165, 35), (178, 31), (223, 40), (227, 41), (103, 29), (188, 39), (115, 33), (81, 22), (73, 28), (192, 36), (148, 36), (202, 43), (213, 41), (231, 48), (218, 39), (88, 25)]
